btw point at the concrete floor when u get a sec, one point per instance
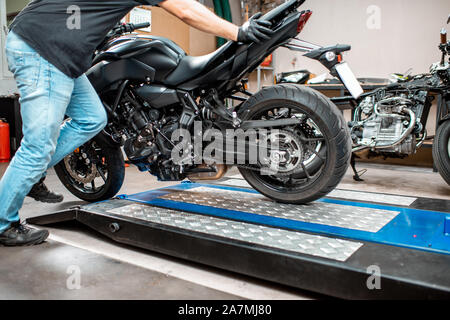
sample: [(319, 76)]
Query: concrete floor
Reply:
[(112, 271), (400, 180), (58, 271)]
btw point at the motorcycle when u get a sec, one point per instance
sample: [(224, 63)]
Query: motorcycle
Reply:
[(151, 90), (391, 121)]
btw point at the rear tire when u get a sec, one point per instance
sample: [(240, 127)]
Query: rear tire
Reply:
[(441, 149), (332, 126), (114, 170)]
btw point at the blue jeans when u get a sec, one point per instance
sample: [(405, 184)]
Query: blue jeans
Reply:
[(46, 95)]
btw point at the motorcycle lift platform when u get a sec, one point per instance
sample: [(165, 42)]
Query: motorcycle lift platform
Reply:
[(354, 245)]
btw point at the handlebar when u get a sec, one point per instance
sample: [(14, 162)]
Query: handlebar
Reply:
[(121, 29), (140, 25), (130, 27)]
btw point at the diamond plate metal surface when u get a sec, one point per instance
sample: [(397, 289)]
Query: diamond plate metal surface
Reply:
[(292, 241), (372, 197), (236, 183), (236, 176), (350, 217), (346, 194)]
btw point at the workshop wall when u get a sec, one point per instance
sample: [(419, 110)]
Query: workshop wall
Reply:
[(386, 36), (191, 40), (15, 5)]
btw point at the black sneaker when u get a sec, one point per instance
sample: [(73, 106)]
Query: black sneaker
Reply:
[(22, 235), (40, 192)]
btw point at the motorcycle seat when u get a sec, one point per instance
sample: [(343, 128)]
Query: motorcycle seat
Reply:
[(192, 66)]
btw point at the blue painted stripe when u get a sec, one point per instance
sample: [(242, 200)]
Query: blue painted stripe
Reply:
[(412, 228)]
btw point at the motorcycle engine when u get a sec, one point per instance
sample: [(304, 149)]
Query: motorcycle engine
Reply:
[(386, 131), (387, 124), (146, 131)]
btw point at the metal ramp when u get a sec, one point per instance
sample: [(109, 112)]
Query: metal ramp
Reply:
[(333, 246)]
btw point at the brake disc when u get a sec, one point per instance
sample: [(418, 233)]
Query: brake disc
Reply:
[(90, 169)]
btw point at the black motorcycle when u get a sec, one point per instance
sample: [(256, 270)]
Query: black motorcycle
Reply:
[(151, 89)]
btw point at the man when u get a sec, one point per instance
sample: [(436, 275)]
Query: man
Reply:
[(49, 48)]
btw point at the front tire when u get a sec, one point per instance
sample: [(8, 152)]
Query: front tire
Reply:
[(94, 172), (441, 150), (329, 163)]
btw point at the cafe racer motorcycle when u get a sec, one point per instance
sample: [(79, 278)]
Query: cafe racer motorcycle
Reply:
[(150, 88), (391, 121)]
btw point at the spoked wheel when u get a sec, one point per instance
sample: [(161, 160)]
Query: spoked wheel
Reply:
[(93, 172), (311, 158)]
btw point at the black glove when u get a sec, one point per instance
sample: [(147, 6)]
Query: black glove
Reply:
[(254, 30)]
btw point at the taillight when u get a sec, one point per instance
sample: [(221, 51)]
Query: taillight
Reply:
[(303, 20)]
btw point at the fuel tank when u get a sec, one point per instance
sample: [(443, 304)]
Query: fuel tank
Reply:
[(135, 57), (159, 53)]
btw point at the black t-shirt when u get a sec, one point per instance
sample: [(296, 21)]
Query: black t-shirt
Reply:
[(66, 32)]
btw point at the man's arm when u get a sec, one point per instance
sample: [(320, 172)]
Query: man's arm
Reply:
[(198, 16)]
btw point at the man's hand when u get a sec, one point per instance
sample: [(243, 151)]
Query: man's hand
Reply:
[(255, 30), (198, 16)]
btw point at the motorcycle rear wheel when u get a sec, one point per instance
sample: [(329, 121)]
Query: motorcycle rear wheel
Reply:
[(100, 178), (326, 166), (441, 150)]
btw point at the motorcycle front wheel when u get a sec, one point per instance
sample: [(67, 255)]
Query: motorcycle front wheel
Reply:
[(93, 172), (441, 150), (316, 152)]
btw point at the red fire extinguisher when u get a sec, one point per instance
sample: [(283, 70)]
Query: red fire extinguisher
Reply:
[(5, 152)]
